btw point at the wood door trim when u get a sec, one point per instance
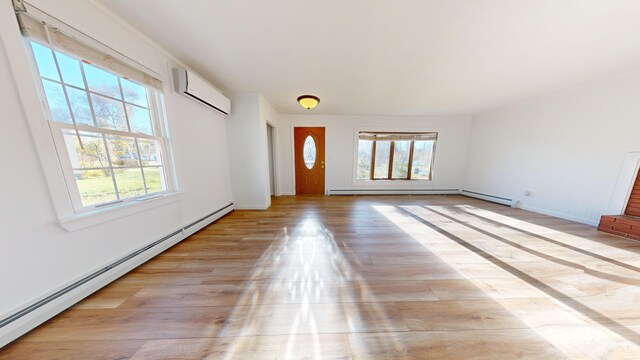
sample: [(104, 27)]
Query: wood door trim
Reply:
[(392, 149), (410, 166), (373, 159)]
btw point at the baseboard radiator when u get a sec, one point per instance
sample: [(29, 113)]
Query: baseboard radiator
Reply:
[(394, 191), (473, 194), (491, 198), (21, 321)]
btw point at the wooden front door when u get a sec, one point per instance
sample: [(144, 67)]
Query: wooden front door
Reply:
[(309, 159)]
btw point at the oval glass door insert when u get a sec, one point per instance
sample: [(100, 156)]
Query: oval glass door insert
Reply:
[(309, 150)]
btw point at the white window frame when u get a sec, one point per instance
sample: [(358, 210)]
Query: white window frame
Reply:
[(29, 88), (57, 127)]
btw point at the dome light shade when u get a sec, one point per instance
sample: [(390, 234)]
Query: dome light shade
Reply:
[(308, 101)]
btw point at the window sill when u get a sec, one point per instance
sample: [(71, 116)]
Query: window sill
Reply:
[(84, 220), (389, 181)]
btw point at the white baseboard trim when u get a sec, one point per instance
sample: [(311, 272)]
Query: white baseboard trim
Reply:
[(490, 198), (520, 205), (252, 207), (560, 215), (18, 322), (394, 191)]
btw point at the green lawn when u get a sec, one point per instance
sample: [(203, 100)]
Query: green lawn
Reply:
[(99, 189)]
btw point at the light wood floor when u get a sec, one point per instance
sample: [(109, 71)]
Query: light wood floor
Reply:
[(437, 277)]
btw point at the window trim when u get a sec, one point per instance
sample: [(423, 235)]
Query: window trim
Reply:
[(68, 170), (390, 179), (93, 217), (23, 70), (392, 148), (56, 129)]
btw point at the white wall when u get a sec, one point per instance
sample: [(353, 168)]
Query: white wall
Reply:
[(566, 149), (38, 256), (340, 147), (269, 116), (248, 150)]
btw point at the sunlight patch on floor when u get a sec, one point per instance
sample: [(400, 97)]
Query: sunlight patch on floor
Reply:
[(545, 306), (476, 214), (304, 295)]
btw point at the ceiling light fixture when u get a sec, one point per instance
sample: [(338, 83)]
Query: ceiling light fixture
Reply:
[(308, 101)]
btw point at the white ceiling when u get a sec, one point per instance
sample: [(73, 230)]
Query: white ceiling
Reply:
[(404, 57)]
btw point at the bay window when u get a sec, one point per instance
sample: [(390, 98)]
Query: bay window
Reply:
[(395, 156)]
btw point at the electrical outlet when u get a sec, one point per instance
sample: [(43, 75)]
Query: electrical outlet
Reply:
[(527, 193)]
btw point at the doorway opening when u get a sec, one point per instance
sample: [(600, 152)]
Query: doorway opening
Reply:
[(271, 151)]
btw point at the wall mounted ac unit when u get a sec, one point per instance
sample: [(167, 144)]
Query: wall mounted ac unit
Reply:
[(195, 87)]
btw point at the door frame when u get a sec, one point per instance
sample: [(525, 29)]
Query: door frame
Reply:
[(276, 157), (293, 154)]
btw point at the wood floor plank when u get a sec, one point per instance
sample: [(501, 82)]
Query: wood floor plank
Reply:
[(131, 324), (393, 277), (72, 350)]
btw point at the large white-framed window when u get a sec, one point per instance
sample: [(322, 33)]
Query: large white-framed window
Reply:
[(106, 120), (395, 155)]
